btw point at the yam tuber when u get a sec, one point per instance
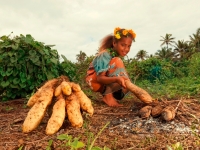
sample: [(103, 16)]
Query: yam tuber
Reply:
[(58, 115), (75, 87), (70, 100), (85, 102), (37, 112), (156, 111), (73, 111), (33, 99), (58, 91), (66, 88), (145, 112), (138, 92), (168, 113)]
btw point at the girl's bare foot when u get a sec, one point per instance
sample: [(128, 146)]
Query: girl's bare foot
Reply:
[(110, 101)]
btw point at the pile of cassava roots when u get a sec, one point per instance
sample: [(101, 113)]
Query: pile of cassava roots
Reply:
[(68, 100)]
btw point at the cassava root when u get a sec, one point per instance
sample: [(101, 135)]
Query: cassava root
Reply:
[(138, 92), (68, 100)]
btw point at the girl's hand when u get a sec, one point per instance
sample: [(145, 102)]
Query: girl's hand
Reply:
[(121, 81)]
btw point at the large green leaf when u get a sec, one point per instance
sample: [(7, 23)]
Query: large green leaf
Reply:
[(3, 73), (77, 144), (16, 40), (54, 53), (15, 46), (64, 137), (28, 39), (46, 51), (9, 71), (22, 85), (14, 86), (49, 75), (55, 61), (15, 72), (5, 83), (23, 77), (13, 59), (32, 53), (16, 80), (4, 38), (10, 53)]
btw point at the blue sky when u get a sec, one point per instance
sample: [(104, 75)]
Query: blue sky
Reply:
[(79, 25)]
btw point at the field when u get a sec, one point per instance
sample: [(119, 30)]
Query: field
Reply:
[(115, 128)]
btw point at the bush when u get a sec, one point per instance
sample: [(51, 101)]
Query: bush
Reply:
[(194, 65), (151, 69), (68, 69), (24, 65)]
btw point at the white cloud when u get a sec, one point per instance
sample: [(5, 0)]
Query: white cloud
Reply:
[(76, 25)]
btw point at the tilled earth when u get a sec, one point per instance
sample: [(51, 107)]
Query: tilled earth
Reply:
[(122, 128)]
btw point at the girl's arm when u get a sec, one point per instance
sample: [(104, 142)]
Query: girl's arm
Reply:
[(103, 79)]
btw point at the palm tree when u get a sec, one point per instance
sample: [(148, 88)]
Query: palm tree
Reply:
[(141, 55), (81, 57), (168, 40), (183, 49), (195, 40), (151, 56), (165, 53)]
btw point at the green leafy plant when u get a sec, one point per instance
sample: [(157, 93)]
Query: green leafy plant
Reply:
[(20, 148), (74, 143), (49, 145), (91, 147), (8, 108), (68, 69), (194, 65), (70, 142), (24, 65), (176, 146)]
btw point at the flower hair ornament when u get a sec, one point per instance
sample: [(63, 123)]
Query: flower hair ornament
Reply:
[(118, 32)]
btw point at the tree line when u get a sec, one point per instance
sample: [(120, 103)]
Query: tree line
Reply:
[(175, 59)]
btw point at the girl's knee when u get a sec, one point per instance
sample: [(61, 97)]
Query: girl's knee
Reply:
[(117, 62)]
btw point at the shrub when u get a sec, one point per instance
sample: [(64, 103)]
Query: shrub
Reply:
[(68, 69), (194, 65), (24, 65)]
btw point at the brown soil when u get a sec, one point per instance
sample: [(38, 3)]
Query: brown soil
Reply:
[(125, 131)]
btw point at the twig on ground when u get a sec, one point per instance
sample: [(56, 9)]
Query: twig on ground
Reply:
[(178, 104)]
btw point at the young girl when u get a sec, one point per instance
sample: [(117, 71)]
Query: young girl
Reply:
[(106, 73)]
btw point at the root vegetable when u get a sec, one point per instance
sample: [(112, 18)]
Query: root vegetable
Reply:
[(73, 111), (156, 111), (75, 87), (58, 91), (33, 99), (138, 92), (37, 112), (85, 102), (145, 111), (66, 88), (58, 115), (62, 98), (168, 113)]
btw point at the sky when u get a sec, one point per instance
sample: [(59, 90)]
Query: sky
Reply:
[(79, 25)]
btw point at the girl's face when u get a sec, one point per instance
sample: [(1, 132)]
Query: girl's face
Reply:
[(123, 46)]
